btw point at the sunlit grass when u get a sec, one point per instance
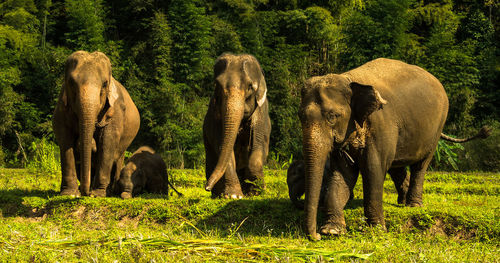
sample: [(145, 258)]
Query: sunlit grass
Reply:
[(459, 222)]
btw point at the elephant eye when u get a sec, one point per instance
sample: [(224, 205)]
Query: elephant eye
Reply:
[(331, 116)]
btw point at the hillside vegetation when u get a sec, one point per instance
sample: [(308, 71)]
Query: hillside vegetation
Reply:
[(163, 53), (459, 222)]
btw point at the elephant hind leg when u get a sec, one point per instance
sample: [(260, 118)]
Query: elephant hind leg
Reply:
[(416, 184), (401, 181)]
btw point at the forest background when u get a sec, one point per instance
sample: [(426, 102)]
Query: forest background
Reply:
[(163, 53)]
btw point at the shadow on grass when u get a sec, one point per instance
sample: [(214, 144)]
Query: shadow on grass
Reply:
[(12, 201), (275, 217)]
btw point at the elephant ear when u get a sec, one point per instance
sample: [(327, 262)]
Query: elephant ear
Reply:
[(365, 100), (260, 88), (112, 96), (64, 96), (112, 92), (261, 92)]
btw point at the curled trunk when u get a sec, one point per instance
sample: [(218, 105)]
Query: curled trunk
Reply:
[(233, 114)]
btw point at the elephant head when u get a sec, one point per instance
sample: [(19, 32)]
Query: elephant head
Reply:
[(240, 88), (126, 182), (90, 94), (332, 108)]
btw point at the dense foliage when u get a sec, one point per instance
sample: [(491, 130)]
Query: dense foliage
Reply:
[(163, 52)]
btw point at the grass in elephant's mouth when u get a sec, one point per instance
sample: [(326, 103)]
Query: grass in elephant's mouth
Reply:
[(459, 222)]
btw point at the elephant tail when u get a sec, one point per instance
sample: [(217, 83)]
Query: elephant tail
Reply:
[(170, 184), (482, 134)]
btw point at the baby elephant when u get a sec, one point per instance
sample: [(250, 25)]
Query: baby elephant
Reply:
[(145, 171), (296, 180)]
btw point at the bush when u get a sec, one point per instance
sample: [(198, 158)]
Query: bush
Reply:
[(482, 154), (44, 157)]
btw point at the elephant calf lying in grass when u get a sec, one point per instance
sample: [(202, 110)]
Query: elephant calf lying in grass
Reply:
[(145, 171)]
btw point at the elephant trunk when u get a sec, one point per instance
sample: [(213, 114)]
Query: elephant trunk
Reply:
[(316, 150), (233, 111), (88, 111)]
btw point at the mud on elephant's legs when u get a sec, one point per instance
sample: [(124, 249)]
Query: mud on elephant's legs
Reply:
[(401, 181)]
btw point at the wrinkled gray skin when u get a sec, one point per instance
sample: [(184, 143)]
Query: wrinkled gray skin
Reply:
[(380, 117), (145, 171), (94, 122), (236, 128)]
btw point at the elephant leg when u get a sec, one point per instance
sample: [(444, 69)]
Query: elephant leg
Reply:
[(373, 173), (69, 184), (232, 187), (340, 186), (401, 181), (106, 158), (253, 181), (416, 185), (116, 175)]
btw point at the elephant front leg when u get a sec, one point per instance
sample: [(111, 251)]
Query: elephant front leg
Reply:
[(69, 184), (340, 188), (253, 179), (232, 187), (373, 172), (106, 159)]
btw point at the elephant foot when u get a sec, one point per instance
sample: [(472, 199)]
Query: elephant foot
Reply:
[(315, 237), (125, 195), (233, 192), (414, 204), (98, 193), (401, 200), (233, 196), (333, 229), (70, 192)]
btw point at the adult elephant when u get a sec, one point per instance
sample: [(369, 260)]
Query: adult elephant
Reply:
[(236, 128), (94, 122), (380, 117)]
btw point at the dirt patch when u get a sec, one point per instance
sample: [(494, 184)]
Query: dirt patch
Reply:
[(128, 222), (440, 227)]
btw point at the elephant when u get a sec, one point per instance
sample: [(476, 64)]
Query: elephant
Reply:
[(236, 128), (94, 122), (381, 117), (144, 171)]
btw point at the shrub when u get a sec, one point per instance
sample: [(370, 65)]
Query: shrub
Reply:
[(482, 154), (44, 157)]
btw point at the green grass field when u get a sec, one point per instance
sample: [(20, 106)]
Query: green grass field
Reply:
[(460, 222)]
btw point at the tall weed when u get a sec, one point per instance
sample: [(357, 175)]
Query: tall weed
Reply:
[(44, 157)]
